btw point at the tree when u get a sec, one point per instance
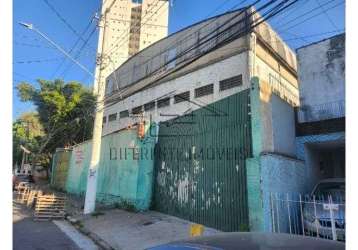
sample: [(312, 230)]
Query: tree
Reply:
[(65, 112), (27, 131)]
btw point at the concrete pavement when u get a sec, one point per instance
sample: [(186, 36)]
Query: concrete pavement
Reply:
[(125, 230)]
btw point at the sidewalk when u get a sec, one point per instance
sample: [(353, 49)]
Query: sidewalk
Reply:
[(127, 230)]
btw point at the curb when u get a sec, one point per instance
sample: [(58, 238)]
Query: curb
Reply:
[(94, 237)]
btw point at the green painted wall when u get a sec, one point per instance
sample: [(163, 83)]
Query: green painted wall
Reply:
[(253, 165), (59, 171), (125, 172), (200, 164)]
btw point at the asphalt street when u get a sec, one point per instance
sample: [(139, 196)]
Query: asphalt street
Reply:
[(29, 234)]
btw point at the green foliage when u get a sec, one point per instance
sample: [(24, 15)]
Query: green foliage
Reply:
[(27, 131), (65, 111)]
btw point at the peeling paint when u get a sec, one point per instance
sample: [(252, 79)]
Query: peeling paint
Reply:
[(183, 190), (210, 162)]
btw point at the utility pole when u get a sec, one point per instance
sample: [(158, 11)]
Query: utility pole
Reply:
[(99, 90)]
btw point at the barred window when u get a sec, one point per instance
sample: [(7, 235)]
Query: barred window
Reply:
[(205, 90), (112, 117), (124, 114), (185, 96), (137, 110), (149, 106), (163, 102), (231, 82)]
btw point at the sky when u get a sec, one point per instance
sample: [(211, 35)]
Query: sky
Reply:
[(307, 21)]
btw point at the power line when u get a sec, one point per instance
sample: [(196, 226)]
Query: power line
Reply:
[(207, 35), (79, 51), (293, 9), (329, 19), (175, 43), (39, 60), (73, 47), (311, 17), (31, 45), (218, 8), (304, 14), (57, 13), (269, 14), (227, 40), (80, 38), (309, 36)]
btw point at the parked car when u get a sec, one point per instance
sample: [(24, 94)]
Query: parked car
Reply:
[(328, 193), (16, 179), (247, 241)]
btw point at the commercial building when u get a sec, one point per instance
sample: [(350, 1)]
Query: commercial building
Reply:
[(207, 116)]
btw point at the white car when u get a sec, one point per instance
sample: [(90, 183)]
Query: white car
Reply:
[(326, 204)]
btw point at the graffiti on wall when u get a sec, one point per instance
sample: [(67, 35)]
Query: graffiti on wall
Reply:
[(78, 157)]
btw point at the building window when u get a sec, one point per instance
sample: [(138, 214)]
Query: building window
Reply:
[(124, 114), (149, 106), (137, 110), (104, 119), (205, 90), (231, 82), (163, 102), (112, 117), (185, 96)]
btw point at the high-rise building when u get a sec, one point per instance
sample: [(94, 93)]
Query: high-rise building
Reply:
[(132, 25)]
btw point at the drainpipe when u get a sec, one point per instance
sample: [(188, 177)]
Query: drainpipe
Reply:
[(252, 56)]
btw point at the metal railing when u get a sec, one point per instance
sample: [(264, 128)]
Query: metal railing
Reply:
[(314, 216)]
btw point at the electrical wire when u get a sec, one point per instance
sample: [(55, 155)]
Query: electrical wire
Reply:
[(31, 45), (79, 38), (58, 14), (271, 13), (283, 15), (39, 60), (73, 47), (175, 44), (326, 14), (311, 17), (303, 15), (79, 51)]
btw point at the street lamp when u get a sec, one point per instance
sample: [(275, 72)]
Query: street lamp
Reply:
[(32, 27)]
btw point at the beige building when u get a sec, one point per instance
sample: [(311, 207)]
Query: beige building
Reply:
[(132, 25)]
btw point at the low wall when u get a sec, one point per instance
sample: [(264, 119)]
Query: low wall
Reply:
[(125, 173), (271, 173), (59, 171), (280, 175)]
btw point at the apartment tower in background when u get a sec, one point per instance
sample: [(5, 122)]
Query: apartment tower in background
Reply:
[(132, 25)]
